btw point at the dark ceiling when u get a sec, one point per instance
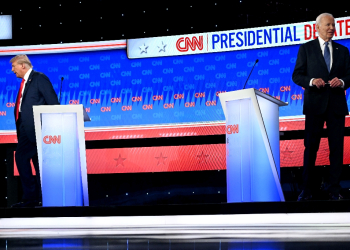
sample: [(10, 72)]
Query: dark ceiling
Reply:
[(51, 22)]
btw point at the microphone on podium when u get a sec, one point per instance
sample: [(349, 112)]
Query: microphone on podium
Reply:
[(59, 97), (256, 61)]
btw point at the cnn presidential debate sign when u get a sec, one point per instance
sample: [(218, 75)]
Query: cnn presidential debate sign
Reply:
[(160, 87), (254, 38)]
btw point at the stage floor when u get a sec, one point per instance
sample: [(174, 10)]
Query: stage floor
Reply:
[(317, 220), (107, 243)]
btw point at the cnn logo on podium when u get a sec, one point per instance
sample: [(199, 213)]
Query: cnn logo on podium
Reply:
[(49, 139), (232, 129)]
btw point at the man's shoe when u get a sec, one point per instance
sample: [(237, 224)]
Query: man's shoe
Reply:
[(335, 197), (26, 204), (304, 196)]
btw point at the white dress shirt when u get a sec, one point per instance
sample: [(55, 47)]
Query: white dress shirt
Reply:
[(26, 76), (323, 45)]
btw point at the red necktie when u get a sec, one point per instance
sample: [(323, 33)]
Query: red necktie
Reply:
[(19, 98)]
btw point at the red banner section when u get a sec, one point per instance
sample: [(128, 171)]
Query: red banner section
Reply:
[(154, 159), (299, 124), (292, 152), (155, 131), (9, 137), (190, 158), (216, 128), (157, 159), (183, 158)]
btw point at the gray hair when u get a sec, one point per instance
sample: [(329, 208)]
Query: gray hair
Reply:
[(22, 59), (318, 19)]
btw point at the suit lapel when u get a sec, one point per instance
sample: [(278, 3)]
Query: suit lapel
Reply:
[(28, 83), (335, 55)]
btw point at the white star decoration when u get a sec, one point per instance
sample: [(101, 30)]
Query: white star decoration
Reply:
[(143, 48), (162, 47)]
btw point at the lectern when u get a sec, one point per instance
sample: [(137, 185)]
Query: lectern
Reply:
[(61, 151), (252, 146)]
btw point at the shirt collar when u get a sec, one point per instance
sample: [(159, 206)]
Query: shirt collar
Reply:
[(26, 76), (321, 41)]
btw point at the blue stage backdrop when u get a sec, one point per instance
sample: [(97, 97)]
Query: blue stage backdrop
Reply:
[(118, 91)]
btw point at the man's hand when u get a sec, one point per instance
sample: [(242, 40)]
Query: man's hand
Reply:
[(335, 82), (318, 82)]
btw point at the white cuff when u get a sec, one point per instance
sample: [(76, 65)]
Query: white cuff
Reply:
[(311, 82)]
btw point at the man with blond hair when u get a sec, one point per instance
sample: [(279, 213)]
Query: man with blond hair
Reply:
[(322, 68), (35, 89)]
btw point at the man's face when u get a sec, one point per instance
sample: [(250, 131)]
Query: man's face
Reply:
[(326, 28), (19, 69)]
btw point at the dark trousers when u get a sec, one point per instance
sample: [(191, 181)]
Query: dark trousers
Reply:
[(313, 129), (26, 151)]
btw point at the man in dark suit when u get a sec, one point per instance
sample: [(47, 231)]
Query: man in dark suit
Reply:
[(36, 89), (323, 70)]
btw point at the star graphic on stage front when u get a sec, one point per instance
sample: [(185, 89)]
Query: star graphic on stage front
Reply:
[(161, 159), (120, 160), (143, 49), (202, 157), (162, 47), (287, 153)]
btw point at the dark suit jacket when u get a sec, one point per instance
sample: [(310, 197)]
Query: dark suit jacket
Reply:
[(38, 91), (311, 64)]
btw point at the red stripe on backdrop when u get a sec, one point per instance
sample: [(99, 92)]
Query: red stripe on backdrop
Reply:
[(157, 159), (64, 48), (8, 138), (165, 131), (155, 132), (190, 158), (299, 124), (292, 152)]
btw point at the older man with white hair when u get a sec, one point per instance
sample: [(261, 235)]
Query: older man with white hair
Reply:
[(323, 70)]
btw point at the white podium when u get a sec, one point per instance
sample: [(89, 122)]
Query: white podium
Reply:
[(61, 151), (252, 146)]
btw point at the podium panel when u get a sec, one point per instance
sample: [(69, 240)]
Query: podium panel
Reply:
[(61, 177), (62, 158), (238, 139), (252, 146)]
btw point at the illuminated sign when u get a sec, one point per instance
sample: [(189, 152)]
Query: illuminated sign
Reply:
[(253, 38), (5, 27)]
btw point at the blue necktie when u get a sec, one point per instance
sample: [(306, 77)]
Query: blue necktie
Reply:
[(327, 56)]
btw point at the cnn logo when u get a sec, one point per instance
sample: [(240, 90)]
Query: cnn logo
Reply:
[(184, 43), (232, 129), (48, 139)]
